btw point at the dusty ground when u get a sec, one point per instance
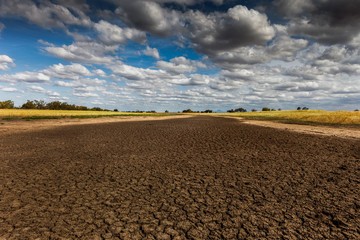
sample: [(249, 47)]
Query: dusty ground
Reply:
[(191, 178)]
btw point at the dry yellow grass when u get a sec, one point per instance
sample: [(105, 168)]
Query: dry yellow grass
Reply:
[(317, 116), (14, 113)]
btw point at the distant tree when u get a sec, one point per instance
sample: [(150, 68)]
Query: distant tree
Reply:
[(240, 110), (82, 108), (273, 109), (356, 110), (231, 111), (188, 111), (40, 104), (253, 110), (279, 109), (208, 111), (305, 108), (264, 109), (56, 105), (299, 108), (96, 109), (8, 104), (29, 105), (115, 110), (166, 111)]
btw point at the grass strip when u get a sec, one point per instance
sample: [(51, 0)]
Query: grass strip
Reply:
[(42, 117), (28, 118)]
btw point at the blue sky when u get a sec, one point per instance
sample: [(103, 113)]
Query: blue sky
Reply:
[(179, 54)]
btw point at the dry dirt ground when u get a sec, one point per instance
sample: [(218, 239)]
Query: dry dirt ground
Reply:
[(189, 178), (336, 131)]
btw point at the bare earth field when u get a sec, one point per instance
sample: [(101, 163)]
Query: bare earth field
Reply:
[(189, 178)]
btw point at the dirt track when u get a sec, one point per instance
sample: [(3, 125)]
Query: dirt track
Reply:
[(193, 178)]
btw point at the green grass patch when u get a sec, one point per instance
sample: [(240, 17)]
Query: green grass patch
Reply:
[(9, 119), (42, 117)]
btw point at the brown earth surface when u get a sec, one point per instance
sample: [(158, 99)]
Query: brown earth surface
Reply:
[(190, 178)]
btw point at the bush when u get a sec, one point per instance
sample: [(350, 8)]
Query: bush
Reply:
[(265, 109)]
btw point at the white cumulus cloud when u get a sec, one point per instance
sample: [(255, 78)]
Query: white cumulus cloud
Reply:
[(5, 61), (180, 65), (152, 52), (113, 34), (73, 71)]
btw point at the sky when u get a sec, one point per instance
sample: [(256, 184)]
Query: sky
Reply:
[(180, 54)]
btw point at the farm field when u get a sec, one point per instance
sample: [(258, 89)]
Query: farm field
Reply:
[(304, 116), (201, 177), (10, 114), (300, 117)]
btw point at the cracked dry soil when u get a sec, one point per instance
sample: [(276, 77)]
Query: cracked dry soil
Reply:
[(194, 178)]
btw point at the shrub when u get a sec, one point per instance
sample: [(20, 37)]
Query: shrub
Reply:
[(264, 109)]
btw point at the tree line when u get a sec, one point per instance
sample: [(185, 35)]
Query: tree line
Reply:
[(264, 109), (40, 104), (191, 111)]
